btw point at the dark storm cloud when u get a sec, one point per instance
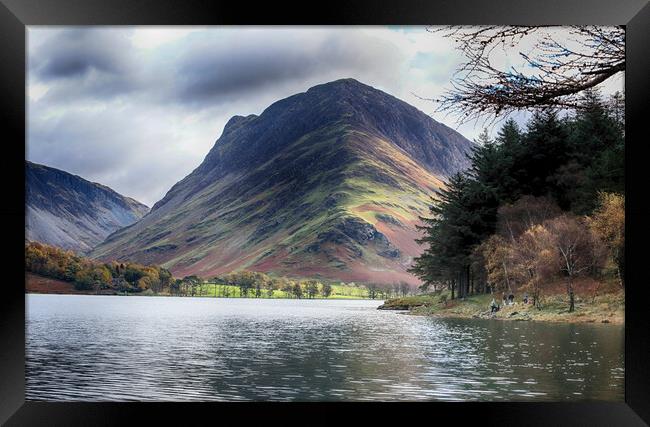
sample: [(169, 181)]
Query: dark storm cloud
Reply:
[(83, 63), (74, 53), (202, 71), (217, 70), (211, 77)]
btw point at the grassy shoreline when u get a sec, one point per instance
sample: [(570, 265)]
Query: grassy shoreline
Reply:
[(605, 308)]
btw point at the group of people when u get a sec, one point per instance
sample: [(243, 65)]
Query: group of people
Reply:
[(509, 300)]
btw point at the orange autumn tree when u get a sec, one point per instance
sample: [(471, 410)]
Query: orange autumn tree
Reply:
[(536, 244), (519, 253), (496, 253), (535, 259), (579, 252), (608, 223)]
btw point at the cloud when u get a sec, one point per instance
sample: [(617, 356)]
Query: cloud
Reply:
[(200, 69), (76, 52), (138, 152), (84, 63), (138, 108), (216, 69)]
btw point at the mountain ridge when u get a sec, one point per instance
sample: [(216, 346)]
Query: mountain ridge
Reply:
[(69, 211), (327, 183)]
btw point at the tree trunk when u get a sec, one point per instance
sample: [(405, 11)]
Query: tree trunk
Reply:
[(620, 270), (505, 271), (471, 282), (462, 284), (571, 295), (536, 295)]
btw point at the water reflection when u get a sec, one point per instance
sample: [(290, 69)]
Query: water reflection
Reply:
[(174, 349)]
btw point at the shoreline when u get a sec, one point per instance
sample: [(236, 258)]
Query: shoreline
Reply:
[(614, 321), (608, 308), (196, 296)]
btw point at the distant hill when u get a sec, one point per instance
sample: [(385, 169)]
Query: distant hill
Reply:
[(70, 212), (327, 183)]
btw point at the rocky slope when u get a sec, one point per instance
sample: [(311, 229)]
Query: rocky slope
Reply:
[(70, 212), (327, 183)]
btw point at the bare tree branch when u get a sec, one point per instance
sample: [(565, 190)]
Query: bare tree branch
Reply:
[(556, 72)]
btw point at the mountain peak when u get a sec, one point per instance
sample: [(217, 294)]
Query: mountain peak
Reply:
[(347, 102), (348, 90), (341, 83), (325, 183)]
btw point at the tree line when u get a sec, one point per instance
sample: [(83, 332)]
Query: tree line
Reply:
[(538, 204), (260, 285), (87, 274)]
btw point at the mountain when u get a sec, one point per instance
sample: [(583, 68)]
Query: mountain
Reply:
[(67, 211), (328, 183)]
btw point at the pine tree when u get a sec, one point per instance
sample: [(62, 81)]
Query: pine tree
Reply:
[(545, 149), (568, 160), (510, 172), (460, 218), (595, 157)]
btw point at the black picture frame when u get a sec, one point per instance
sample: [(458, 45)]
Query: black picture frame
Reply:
[(15, 15)]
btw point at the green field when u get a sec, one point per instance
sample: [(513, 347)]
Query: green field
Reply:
[(230, 291)]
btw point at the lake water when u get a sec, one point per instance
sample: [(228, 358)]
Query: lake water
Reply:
[(98, 348)]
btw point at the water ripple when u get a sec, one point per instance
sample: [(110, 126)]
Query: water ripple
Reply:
[(89, 348)]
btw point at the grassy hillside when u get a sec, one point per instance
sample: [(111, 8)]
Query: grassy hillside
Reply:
[(329, 185)]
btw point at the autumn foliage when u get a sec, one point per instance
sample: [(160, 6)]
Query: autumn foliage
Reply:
[(608, 223), (538, 206), (538, 244), (87, 274)]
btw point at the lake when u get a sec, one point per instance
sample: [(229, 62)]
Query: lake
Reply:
[(112, 348)]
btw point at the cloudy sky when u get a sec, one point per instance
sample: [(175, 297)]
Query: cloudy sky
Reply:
[(138, 108)]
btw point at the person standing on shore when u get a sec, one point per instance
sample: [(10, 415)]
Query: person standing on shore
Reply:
[(493, 306)]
